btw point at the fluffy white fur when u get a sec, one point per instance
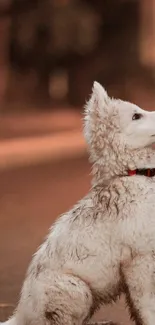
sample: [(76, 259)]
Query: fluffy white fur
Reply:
[(105, 245)]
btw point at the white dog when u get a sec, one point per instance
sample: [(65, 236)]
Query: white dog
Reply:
[(105, 245)]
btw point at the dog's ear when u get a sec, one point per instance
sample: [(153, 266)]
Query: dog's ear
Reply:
[(98, 101), (95, 112), (99, 93)]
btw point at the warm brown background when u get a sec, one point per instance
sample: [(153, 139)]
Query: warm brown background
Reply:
[(50, 53)]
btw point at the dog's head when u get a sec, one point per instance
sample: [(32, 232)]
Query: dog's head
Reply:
[(116, 131)]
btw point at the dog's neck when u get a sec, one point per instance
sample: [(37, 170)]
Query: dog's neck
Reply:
[(142, 162), (103, 175), (99, 177)]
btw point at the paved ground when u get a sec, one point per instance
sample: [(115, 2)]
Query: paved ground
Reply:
[(30, 200)]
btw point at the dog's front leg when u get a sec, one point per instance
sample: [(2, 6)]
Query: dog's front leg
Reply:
[(139, 288)]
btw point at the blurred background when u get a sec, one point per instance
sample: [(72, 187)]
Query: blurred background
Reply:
[(51, 51)]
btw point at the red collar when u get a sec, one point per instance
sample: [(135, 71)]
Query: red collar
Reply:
[(145, 172)]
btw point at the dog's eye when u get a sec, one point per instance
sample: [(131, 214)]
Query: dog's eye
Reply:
[(137, 116)]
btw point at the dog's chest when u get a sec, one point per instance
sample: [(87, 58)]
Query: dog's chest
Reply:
[(141, 190), (137, 218), (136, 189)]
